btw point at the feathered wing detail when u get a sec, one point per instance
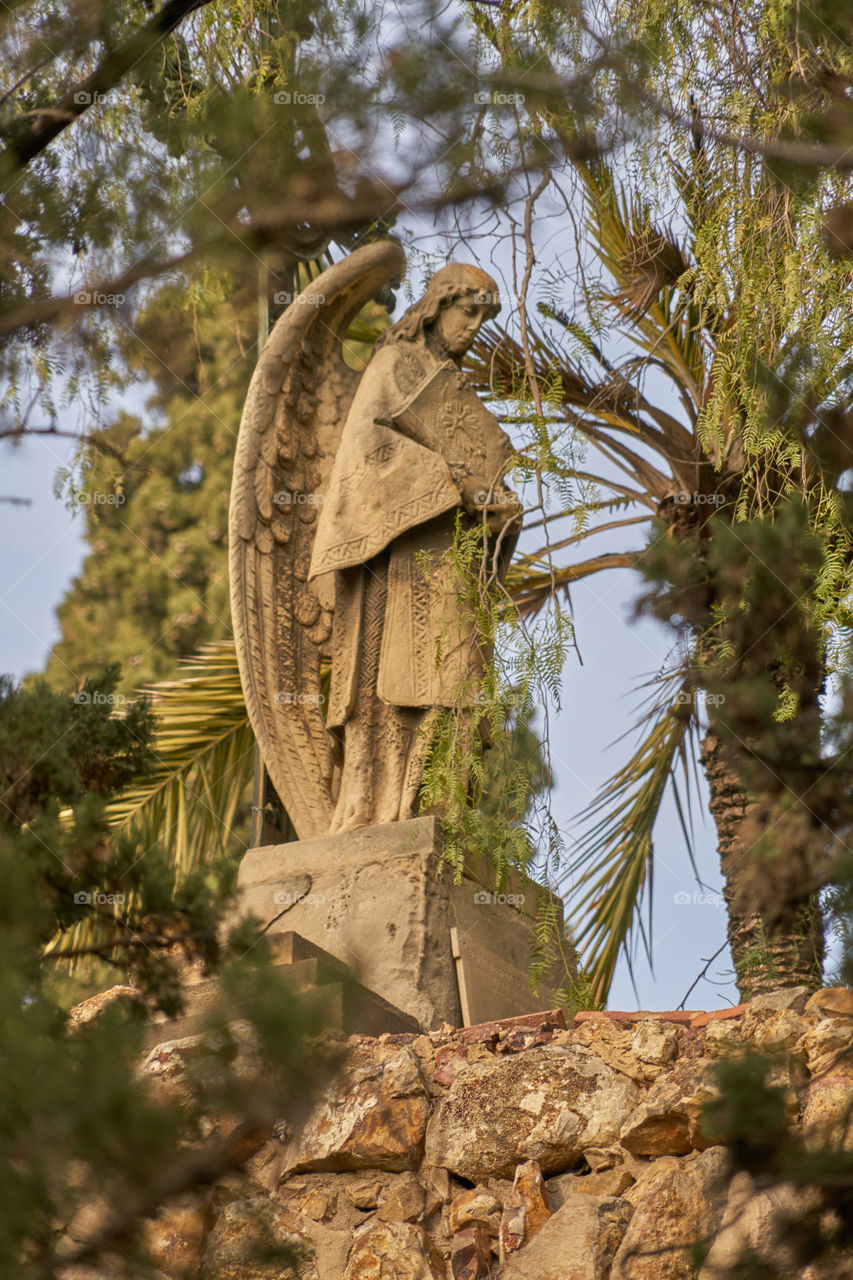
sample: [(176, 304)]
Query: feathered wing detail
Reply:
[(295, 409)]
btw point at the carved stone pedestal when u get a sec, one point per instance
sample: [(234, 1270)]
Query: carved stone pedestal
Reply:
[(379, 900)]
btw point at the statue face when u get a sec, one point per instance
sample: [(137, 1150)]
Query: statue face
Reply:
[(457, 326)]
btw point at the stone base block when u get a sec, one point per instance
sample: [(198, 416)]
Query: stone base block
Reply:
[(381, 900)]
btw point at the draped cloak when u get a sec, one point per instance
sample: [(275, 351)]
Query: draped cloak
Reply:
[(392, 495)]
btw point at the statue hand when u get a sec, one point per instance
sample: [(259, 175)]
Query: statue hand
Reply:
[(472, 490), (504, 514), (498, 505)]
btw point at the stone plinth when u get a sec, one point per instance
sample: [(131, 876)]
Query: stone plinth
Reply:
[(381, 901)]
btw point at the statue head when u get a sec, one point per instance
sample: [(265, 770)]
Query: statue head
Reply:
[(458, 299)]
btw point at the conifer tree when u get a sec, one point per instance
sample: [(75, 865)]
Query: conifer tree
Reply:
[(154, 584)]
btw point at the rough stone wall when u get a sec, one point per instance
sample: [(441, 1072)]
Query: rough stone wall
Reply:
[(534, 1153)]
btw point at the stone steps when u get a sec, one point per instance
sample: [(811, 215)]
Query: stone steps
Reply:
[(307, 969)]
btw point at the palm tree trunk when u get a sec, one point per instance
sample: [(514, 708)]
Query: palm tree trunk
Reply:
[(770, 948)]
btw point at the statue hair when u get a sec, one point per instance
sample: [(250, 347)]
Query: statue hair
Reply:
[(446, 287)]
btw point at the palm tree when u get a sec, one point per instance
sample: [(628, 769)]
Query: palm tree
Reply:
[(659, 469)]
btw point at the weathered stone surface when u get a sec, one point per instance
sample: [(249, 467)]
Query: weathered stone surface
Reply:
[(659, 1126), (525, 1211), (610, 1041), (577, 1243), (722, 1038), (828, 1046), (114, 1267), (829, 1268), (89, 1010), (436, 1185), (372, 1117), (471, 1254), (676, 1203), (264, 1168), (323, 1207), (599, 1158), (546, 1104), (529, 1030), (628, 1017), (177, 1069), (87, 1222), (394, 1249), (449, 1061), (794, 998), (608, 1182), (654, 1043), (318, 1205), (405, 1202), (559, 1188), (171, 1059), (174, 1238), (827, 1116), (243, 1228), (832, 1002), (365, 1195), (478, 1205), (667, 1120), (777, 1030), (754, 1223)]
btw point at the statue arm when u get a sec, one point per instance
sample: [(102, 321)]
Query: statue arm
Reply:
[(414, 428), (483, 496), (478, 495)]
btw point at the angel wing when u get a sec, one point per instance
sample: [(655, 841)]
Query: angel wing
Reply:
[(295, 409)]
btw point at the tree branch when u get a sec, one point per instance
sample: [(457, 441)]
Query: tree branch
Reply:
[(42, 127)]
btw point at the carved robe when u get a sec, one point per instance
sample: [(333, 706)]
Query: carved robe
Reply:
[(403, 640)]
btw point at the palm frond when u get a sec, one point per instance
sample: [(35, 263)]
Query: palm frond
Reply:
[(205, 752), (530, 590), (204, 748), (611, 873), (641, 260), (581, 536)]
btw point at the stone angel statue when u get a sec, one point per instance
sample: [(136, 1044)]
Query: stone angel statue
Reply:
[(344, 505)]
